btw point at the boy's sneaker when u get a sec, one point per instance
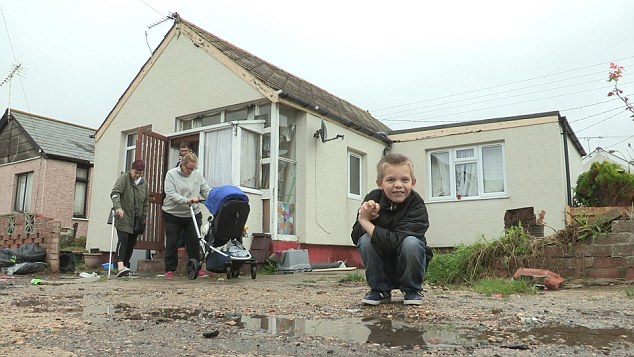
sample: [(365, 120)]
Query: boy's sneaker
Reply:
[(123, 272), (169, 275), (413, 298), (375, 297)]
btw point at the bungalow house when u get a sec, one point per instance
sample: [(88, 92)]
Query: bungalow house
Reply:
[(305, 157), (46, 168), (599, 155)]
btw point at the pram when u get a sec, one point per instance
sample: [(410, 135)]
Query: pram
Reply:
[(221, 245)]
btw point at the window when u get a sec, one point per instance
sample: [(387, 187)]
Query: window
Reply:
[(354, 175), (130, 151), (81, 189), (231, 156), (193, 121), (23, 187), (467, 172)]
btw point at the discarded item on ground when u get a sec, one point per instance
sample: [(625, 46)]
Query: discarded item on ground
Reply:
[(541, 277), (210, 334), (36, 281), (26, 268), (88, 275), (30, 252), (294, 260), (7, 257)]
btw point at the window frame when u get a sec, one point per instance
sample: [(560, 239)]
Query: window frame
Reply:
[(353, 154), (26, 194), (454, 160), (83, 181)]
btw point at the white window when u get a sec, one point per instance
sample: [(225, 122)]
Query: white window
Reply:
[(467, 172), (354, 175), (230, 155), (23, 187), (81, 190), (130, 151)]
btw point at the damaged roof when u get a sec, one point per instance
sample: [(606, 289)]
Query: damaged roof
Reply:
[(57, 138)]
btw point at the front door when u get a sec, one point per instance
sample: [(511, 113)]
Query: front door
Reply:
[(152, 149)]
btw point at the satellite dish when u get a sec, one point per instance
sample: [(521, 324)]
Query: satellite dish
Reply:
[(322, 133)]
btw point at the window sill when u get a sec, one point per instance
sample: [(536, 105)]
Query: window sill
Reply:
[(464, 199)]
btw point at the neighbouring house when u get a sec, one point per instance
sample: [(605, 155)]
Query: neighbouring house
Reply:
[(306, 158), (46, 168), (599, 155), (471, 173)]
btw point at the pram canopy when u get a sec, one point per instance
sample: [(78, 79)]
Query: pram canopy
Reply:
[(221, 194)]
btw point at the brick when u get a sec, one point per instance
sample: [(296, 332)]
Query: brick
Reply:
[(598, 251), (614, 238), (571, 273), (603, 273), (555, 250), (609, 262), (629, 273), (623, 226), (622, 250)]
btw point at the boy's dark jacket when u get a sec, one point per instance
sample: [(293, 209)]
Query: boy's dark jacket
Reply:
[(395, 221)]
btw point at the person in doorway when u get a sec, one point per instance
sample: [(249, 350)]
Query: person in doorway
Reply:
[(390, 234), (184, 186), (183, 149), (130, 200)]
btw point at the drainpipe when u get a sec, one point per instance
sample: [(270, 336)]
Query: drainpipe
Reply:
[(566, 161)]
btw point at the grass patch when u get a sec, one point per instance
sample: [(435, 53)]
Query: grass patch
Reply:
[(629, 291), (353, 277), (268, 269), (506, 287)]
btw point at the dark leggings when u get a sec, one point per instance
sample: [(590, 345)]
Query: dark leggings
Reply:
[(125, 246), (175, 229)]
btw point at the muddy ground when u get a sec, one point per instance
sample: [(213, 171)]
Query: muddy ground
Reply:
[(302, 314)]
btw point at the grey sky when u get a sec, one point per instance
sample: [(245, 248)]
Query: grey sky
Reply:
[(410, 63)]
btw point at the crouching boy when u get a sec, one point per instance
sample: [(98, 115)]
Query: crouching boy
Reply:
[(390, 234)]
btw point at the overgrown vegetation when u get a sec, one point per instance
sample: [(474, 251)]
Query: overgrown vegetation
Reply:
[(76, 244), (605, 184), (470, 264)]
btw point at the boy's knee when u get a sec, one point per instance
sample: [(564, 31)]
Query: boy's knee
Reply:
[(364, 240)]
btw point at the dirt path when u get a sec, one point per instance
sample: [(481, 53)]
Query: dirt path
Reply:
[(300, 315)]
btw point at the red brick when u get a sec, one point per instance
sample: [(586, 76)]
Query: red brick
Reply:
[(622, 226), (609, 262), (629, 273)]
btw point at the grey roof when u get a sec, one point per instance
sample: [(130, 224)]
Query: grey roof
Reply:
[(294, 87), (58, 138)]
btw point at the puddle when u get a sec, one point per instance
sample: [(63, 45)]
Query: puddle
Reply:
[(376, 330), (579, 335), (386, 332)]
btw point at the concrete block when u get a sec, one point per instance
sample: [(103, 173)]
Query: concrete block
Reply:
[(294, 260)]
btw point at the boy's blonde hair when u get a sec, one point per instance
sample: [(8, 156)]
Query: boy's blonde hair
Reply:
[(396, 160)]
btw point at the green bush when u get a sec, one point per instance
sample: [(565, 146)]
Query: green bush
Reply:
[(605, 184)]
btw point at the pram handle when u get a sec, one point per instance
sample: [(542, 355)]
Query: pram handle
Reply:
[(191, 210)]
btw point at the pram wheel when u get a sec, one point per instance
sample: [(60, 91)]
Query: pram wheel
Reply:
[(192, 269), (229, 272), (254, 271)]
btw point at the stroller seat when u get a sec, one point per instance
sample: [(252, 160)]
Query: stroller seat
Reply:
[(221, 245)]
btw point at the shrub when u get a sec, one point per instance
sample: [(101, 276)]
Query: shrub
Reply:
[(605, 184)]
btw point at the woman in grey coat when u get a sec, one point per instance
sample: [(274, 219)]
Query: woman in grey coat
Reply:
[(130, 199)]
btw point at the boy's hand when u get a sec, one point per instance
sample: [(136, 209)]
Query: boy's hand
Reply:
[(369, 210)]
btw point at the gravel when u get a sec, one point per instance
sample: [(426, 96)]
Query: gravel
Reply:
[(303, 314)]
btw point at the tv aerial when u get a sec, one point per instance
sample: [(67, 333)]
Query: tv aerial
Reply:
[(322, 133)]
